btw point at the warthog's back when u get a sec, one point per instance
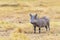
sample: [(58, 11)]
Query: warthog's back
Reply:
[(46, 18)]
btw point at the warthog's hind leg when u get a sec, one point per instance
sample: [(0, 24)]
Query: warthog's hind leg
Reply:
[(46, 28), (39, 29)]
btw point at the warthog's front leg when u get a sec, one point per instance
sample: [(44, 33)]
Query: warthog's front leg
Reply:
[(39, 29), (34, 29)]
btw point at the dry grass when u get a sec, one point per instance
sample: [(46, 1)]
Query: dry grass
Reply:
[(17, 31), (12, 31), (14, 20)]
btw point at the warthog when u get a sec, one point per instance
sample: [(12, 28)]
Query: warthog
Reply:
[(39, 22)]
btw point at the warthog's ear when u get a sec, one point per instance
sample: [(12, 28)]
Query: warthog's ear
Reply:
[(30, 15)]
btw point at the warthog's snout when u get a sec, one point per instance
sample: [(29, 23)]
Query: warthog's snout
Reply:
[(33, 21)]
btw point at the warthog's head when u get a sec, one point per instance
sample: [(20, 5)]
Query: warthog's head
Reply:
[(33, 19)]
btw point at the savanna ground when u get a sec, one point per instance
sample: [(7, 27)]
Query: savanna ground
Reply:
[(15, 19)]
